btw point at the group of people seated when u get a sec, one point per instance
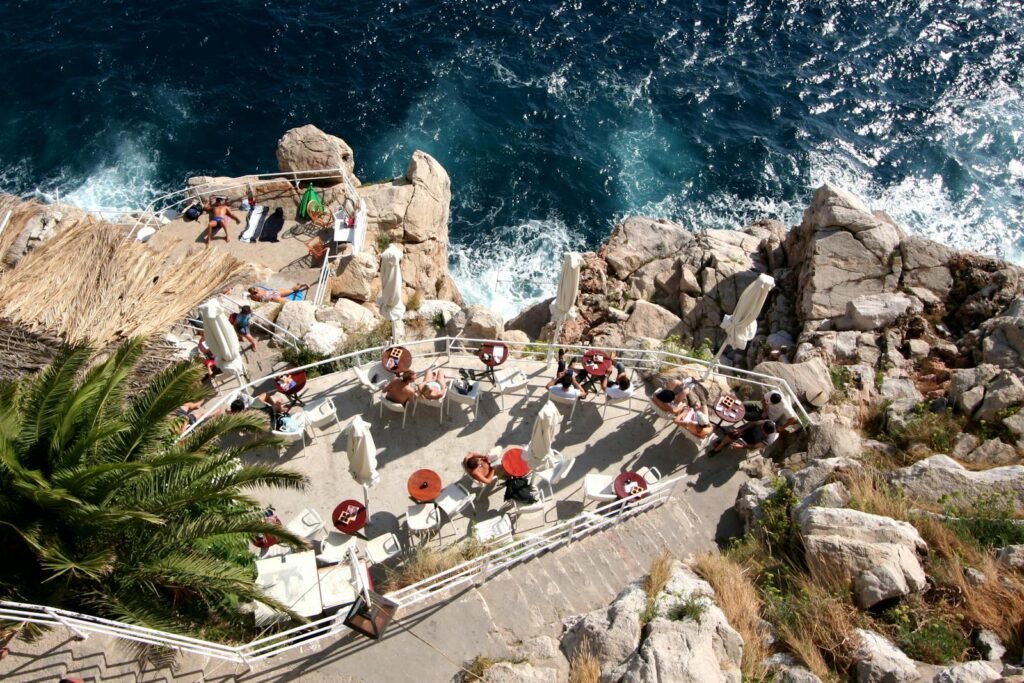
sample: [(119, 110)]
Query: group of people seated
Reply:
[(681, 400), (569, 381), (404, 388)]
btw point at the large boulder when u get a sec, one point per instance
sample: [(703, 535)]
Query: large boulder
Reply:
[(426, 217), (532, 319), (651, 321), (750, 500), (968, 672), (324, 339), (638, 241), (829, 436), (296, 317), (476, 322), (611, 634), (940, 476), (1005, 391), (992, 452), (818, 473), (877, 554), (879, 661), (1012, 555), (349, 316), (895, 389), (1003, 338), (810, 380), (308, 148), (877, 311), (519, 672), (354, 276), (926, 271), (705, 650)]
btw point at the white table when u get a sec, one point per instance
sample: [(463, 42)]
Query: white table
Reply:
[(291, 580)]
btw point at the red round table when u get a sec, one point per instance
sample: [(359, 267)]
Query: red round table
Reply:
[(349, 517), (492, 354), (624, 479), (513, 463), (597, 363), (424, 486), (396, 359), (729, 409)]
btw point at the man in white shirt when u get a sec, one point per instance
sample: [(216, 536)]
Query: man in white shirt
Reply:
[(566, 385), (622, 389), (779, 410)]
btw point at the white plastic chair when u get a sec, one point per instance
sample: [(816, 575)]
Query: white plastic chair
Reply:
[(453, 499), (650, 474), (660, 414), (364, 381), (385, 402), (494, 529), (616, 402), (422, 519), (699, 442), (598, 487), (433, 403), (528, 510), (291, 437), (553, 475), (508, 381), (307, 525), (382, 548), (334, 547), (565, 400), (470, 399), (321, 414)]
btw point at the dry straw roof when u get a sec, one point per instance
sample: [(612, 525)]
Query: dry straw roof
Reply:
[(89, 284)]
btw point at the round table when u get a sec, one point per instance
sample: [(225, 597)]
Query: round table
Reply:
[(597, 363), (424, 486), (729, 409), (624, 479), (349, 517), (513, 463), (396, 359), (492, 354)]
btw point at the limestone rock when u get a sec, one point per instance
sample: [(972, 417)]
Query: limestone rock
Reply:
[(652, 321), (810, 380), (296, 317), (324, 339), (990, 645), (426, 216), (1005, 391), (860, 526), (354, 278), (1003, 343), (818, 473), (879, 661), (1015, 424), (612, 634), (482, 323), (893, 389), (795, 674), (1012, 555), (750, 501), (532, 319), (638, 241), (834, 495), (968, 672), (900, 412), (309, 148), (962, 381), (432, 308), (829, 437), (918, 348), (939, 475), (508, 672), (925, 267), (992, 452), (516, 337), (349, 316), (877, 311)]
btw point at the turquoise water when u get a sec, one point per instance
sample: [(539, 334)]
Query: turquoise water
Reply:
[(553, 119)]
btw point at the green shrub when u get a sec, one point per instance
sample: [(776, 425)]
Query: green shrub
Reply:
[(929, 638), (938, 431), (299, 355), (692, 607), (776, 528), (841, 377), (438, 321), (383, 241), (990, 520)]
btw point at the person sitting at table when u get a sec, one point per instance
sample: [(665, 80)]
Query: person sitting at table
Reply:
[(779, 410), (621, 389), (434, 384), (567, 386), (676, 397), (694, 421), (479, 468), (402, 389), (751, 436)]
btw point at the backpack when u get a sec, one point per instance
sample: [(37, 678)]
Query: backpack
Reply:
[(519, 490), (193, 213)]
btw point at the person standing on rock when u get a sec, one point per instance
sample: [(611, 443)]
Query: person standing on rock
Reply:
[(219, 213)]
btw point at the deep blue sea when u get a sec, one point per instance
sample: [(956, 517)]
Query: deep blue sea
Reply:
[(553, 118)]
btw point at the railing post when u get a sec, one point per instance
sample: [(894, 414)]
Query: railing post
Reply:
[(79, 635), (481, 575)]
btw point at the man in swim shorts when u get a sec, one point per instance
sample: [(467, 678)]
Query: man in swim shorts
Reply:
[(219, 213)]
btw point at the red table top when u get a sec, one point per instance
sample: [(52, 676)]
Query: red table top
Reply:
[(349, 516), (625, 478), (396, 359), (729, 409), (593, 366), (513, 463), (424, 485), (487, 349)]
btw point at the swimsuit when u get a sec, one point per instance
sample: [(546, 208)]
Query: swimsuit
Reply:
[(434, 386)]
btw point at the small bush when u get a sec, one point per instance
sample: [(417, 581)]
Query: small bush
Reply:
[(438, 321), (927, 637), (937, 431), (297, 356), (776, 528), (692, 607), (383, 241), (415, 302), (654, 583), (841, 378), (990, 520)]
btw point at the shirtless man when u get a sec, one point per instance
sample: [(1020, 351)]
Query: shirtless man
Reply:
[(402, 389), (219, 213)]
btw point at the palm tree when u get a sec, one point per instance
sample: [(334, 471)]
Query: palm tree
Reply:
[(106, 509)]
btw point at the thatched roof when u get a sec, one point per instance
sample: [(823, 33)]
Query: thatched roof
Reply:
[(89, 284)]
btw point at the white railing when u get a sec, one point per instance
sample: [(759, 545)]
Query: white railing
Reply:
[(325, 276), (273, 329)]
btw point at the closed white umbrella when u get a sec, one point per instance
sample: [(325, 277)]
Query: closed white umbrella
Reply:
[(542, 436), (221, 338), (392, 305), (741, 326), (564, 306), (362, 455)]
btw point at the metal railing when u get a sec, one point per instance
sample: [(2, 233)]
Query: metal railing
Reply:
[(275, 331), (325, 276)]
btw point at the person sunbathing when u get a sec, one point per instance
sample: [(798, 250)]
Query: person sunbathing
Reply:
[(219, 213), (694, 421), (402, 389), (434, 385), (276, 296), (479, 468), (676, 397)]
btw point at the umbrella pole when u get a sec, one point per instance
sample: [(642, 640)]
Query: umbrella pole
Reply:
[(714, 361), (366, 502), (554, 340)]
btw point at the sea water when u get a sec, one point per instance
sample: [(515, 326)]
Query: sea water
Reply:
[(554, 119)]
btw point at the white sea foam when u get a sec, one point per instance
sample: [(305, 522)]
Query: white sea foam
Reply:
[(513, 266)]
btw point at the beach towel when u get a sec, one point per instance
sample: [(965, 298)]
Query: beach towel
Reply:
[(272, 226), (253, 223)]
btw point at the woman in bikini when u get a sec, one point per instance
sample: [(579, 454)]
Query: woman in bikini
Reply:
[(434, 385), (274, 295)]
